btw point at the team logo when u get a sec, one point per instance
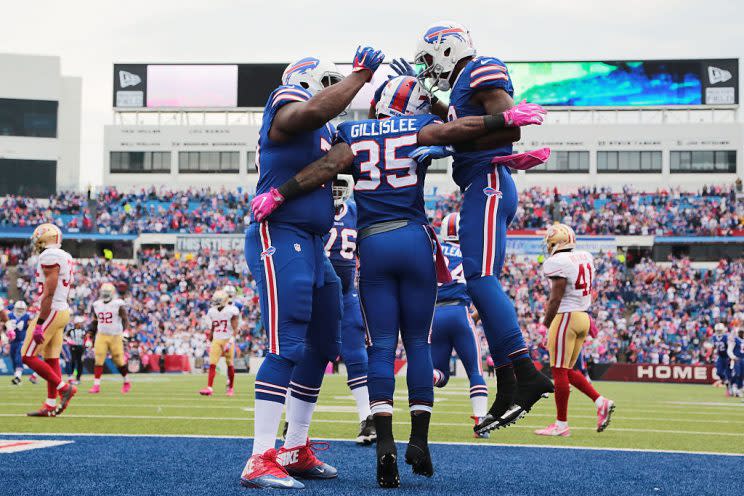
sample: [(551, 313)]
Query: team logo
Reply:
[(437, 32), (268, 252), (297, 247), (489, 191), (718, 75), (128, 79), (301, 66)]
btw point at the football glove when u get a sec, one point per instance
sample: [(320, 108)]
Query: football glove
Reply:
[(264, 204), (367, 59), (11, 334), (402, 67), (424, 153), (524, 114), (38, 334)]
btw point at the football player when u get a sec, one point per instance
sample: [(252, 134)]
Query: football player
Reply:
[(54, 277), (222, 321), (395, 246), (15, 329), (109, 322), (77, 336), (299, 293), (481, 86), (453, 327), (723, 362), (232, 298), (571, 274), (736, 356)]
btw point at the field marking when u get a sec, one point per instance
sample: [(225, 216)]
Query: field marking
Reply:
[(445, 443), (709, 404), (16, 445)]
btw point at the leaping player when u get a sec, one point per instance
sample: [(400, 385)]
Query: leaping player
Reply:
[(222, 322), (571, 274), (109, 321)]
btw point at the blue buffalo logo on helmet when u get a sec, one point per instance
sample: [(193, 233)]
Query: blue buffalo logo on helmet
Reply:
[(489, 191), (311, 74), (301, 66), (268, 252), (435, 33)]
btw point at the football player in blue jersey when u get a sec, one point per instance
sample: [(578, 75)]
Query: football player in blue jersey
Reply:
[(299, 293), (398, 279), (453, 326), (736, 356), (481, 86), (16, 327), (723, 363)]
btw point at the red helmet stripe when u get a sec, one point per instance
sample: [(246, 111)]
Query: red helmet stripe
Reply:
[(452, 226), (402, 94)]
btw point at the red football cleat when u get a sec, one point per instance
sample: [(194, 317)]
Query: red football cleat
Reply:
[(263, 471), (126, 387), (44, 411), (301, 461)]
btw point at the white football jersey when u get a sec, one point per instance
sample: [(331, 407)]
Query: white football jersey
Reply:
[(578, 268), (107, 314), (49, 258), (219, 321)]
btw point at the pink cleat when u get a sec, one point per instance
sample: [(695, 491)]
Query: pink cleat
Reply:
[(33, 379), (554, 430), (604, 414), (207, 391), (95, 389), (230, 392), (126, 387)]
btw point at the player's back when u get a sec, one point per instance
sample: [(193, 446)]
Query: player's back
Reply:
[(108, 317), (455, 290), (388, 185), (279, 161), (481, 73), (56, 257), (577, 267)]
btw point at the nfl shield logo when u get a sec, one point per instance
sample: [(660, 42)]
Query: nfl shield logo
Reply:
[(297, 247)]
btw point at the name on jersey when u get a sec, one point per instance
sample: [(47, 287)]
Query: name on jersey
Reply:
[(387, 126)]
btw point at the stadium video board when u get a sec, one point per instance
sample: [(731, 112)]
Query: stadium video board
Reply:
[(696, 82)]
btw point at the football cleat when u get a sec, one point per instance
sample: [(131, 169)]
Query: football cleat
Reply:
[(419, 458), (387, 470), (528, 393), (126, 387), (15, 381), (95, 389), (301, 461), (207, 391), (33, 379), (65, 395), (479, 435), (230, 392), (367, 432), (264, 472), (604, 414), (554, 430), (44, 411)]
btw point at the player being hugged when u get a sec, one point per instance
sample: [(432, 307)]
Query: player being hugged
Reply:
[(397, 280), (15, 329), (453, 326), (109, 322), (222, 321), (299, 293), (571, 274), (736, 357), (720, 342), (54, 277)]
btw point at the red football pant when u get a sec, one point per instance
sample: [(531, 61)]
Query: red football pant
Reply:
[(54, 364), (44, 370), (578, 380), (97, 371), (212, 373), (230, 375), (562, 392)]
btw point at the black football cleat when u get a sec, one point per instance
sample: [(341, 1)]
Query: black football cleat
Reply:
[(15, 381), (419, 458), (387, 470), (367, 432), (44, 411), (65, 396), (528, 393)]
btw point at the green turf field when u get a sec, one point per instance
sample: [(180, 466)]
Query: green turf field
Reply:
[(648, 416)]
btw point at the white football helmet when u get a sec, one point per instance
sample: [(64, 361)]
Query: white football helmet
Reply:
[(19, 309), (720, 328), (403, 95), (450, 229), (342, 187), (441, 47), (312, 74), (230, 291)]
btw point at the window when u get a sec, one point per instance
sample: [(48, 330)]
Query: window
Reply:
[(33, 118), (251, 162), (209, 162), (612, 162), (140, 162), (35, 178), (703, 161), (569, 162)]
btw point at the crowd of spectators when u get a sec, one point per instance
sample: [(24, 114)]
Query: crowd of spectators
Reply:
[(711, 211)]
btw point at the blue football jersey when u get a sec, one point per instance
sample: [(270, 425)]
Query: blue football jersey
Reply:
[(340, 242), (21, 326), (481, 73), (388, 184), (277, 162), (455, 290), (738, 347), (720, 343)]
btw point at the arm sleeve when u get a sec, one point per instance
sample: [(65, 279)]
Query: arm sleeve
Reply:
[(48, 259)]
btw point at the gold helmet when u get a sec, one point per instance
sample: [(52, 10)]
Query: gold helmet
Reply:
[(107, 291), (46, 236), (219, 298), (560, 237)]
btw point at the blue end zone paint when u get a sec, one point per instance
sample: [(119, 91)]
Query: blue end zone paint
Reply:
[(99, 465)]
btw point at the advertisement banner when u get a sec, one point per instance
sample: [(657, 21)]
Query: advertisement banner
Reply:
[(534, 245), (677, 373), (212, 242)]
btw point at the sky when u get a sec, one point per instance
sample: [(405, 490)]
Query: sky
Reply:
[(90, 36)]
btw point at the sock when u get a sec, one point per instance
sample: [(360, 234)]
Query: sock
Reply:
[(50, 402), (42, 369), (230, 375), (420, 427), (598, 401), (299, 415), (97, 372), (51, 388), (384, 428), (212, 373), (267, 416), (506, 387), (578, 380), (561, 424), (18, 373), (480, 405), (361, 397), (123, 371), (562, 392), (524, 369)]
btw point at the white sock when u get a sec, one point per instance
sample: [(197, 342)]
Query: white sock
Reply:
[(361, 396), (598, 402), (267, 416), (561, 424), (480, 405), (51, 402), (299, 415), (96, 382), (126, 378), (18, 373)]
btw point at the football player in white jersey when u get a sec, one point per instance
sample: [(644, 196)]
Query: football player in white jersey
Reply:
[(571, 273), (54, 275), (109, 321), (222, 323)]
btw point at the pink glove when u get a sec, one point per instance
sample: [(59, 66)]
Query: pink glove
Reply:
[(38, 334), (265, 203), (524, 114), (11, 334), (524, 161)]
